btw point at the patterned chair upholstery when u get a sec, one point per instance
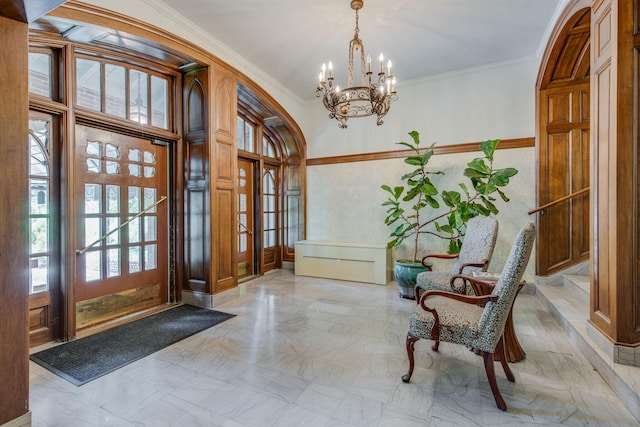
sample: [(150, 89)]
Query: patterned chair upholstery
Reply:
[(475, 254), (474, 321)]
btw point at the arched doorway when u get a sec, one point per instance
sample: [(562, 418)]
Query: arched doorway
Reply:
[(562, 140)]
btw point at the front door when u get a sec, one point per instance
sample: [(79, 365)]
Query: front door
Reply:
[(121, 231), (246, 257)]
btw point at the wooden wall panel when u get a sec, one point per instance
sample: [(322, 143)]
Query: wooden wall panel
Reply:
[(14, 259), (225, 154), (603, 90), (197, 234), (582, 203), (225, 233), (615, 299), (559, 109), (558, 242), (226, 108)]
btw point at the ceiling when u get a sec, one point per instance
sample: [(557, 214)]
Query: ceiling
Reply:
[(290, 39)]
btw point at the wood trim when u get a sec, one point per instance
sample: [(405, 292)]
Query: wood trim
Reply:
[(14, 262), (96, 15), (437, 150)]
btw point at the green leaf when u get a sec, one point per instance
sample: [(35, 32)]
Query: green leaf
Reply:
[(399, 230), (406, 144), (415, 136), (446, 229), (482, 210), (432, 202), (419, 206), (396, 192), (489, 147), (499, 180), (454, 247), (483, 188), (428, 189), (503, 196), (426, 156), (451, 198), (507, 172), (472, 173), (412, 194), (479, 165), (464, 188), (490, 205), (410, 175), (414, 160)]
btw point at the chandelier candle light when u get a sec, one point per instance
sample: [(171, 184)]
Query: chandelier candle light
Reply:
[(372, 97)]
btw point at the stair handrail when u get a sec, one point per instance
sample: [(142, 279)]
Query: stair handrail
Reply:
[(561, 199)]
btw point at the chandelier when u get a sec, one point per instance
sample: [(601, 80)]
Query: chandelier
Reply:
[(373, 96)]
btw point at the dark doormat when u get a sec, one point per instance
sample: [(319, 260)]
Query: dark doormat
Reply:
[(88, 358)]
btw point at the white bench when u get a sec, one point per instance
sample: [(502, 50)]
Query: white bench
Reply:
[(358, 262)]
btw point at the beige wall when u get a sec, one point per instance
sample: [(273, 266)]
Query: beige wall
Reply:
[(345, 199)]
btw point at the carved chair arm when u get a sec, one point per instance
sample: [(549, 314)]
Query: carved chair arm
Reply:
[(483, 264), (480, 286), (468, 299), (441, 256)]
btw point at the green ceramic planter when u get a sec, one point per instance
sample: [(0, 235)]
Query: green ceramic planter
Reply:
[(405, 274)]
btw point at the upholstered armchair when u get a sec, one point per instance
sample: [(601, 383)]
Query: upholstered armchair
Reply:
[(475, 254), (474, 321)]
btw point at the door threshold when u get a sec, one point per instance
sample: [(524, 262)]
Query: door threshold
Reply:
[(91, 330)]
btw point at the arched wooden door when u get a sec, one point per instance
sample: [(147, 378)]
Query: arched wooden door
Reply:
[(563, 145)]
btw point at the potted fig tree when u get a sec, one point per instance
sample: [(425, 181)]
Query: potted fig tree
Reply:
[(418, 208)]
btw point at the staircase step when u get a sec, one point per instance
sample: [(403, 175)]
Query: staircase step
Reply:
[(568, 301), (578, 282)]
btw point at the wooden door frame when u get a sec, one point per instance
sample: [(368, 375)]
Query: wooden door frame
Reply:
[(572, 13)]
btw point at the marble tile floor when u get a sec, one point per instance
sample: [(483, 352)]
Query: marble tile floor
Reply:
[(316, 352)]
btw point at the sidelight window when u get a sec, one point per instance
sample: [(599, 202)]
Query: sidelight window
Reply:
[(39, 206)]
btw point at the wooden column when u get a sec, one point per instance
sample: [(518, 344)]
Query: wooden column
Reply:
[(210, 174), (615, 290), (197, 230), (223, 159), (14, 258)]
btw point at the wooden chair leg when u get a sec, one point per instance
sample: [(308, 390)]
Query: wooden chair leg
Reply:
[(503, 360), (411, 341), (491, 376)]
